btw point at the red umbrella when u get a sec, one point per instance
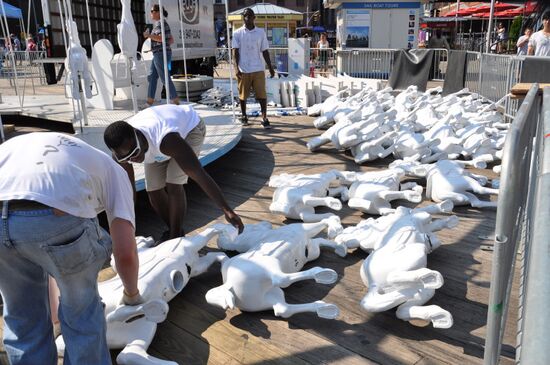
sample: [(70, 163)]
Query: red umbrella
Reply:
[(482, 9), (498, 7), (530, 7), (481, 15), (465, 12), (511, 12), (450, 14), (503, 14)]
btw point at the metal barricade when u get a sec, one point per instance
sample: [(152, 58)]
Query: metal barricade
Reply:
[(22, 65), (535, 327), (324, 62), (470, 41), (365, 63), (439, 65), (514, 217), (493, 76), (496, 75), (473, 71)]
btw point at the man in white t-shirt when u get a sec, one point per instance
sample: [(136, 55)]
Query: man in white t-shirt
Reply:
[(249, 46), (167, 139), (52, 186), (539, 43)]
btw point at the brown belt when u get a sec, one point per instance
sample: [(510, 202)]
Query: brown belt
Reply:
[(19, 205)]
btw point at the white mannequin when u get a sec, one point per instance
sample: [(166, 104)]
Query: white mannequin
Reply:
[(412, 146), (379, 147), (272, 258), (447, 179), (416, 126), (163, 272), (123, 70), (373, 191), (76, 64), (297, 196), (396, 273), (332, 107), (350, 131), (126, 32)]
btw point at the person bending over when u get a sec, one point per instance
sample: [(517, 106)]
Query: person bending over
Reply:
[(52, 186), (167, 139)]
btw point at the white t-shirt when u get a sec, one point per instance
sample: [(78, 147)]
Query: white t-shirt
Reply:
[(522, 50), (251, 44), (541, 43), (64, 172), (157, 121)]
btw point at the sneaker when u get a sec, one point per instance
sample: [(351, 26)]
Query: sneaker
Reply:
[(164, 237), (244, 120), (145, 106), (265, 124)]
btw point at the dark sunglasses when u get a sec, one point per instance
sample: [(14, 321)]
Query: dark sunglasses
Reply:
[(135, 152)]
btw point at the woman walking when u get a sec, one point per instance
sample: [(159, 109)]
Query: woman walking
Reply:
[(157, 67)]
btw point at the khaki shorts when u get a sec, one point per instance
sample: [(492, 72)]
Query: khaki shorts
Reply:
[(157, 174), (255, 80)]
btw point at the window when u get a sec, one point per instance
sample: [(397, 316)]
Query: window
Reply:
[(281, 2), (300, 3)]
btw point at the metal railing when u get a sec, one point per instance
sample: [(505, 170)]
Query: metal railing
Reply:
[(323, 62), (473, 71), (278, 56), (378, 63), (514, 221), (21, 65), (365, 63), (497, 75), (439, 65), (493, 76), (474, 41), (535, 327)]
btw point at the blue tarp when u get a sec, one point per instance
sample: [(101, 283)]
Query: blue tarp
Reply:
[(11, 11)]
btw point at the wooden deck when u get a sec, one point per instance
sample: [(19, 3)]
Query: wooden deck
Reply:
[(198, 333)]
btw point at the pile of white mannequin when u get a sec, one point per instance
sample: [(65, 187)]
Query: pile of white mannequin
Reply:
[(431, 137), (413, 125), (398, 239)]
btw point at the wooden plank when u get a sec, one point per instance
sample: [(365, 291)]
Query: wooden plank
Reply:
[(266, 327), (521, 89)]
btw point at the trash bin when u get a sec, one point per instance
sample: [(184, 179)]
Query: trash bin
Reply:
[(281, 60)]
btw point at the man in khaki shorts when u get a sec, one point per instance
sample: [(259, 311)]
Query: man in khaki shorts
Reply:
[(167, 139), (249, 45)]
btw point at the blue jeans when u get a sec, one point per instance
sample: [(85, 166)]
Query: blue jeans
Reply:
[(33, 245), (156, 72)]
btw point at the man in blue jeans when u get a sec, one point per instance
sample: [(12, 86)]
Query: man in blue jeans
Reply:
[(52, 186)]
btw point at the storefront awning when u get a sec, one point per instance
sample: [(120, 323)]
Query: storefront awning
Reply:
[(11, 11), (270, 12)]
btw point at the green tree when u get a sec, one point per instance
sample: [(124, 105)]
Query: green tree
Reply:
[(515, 28)]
